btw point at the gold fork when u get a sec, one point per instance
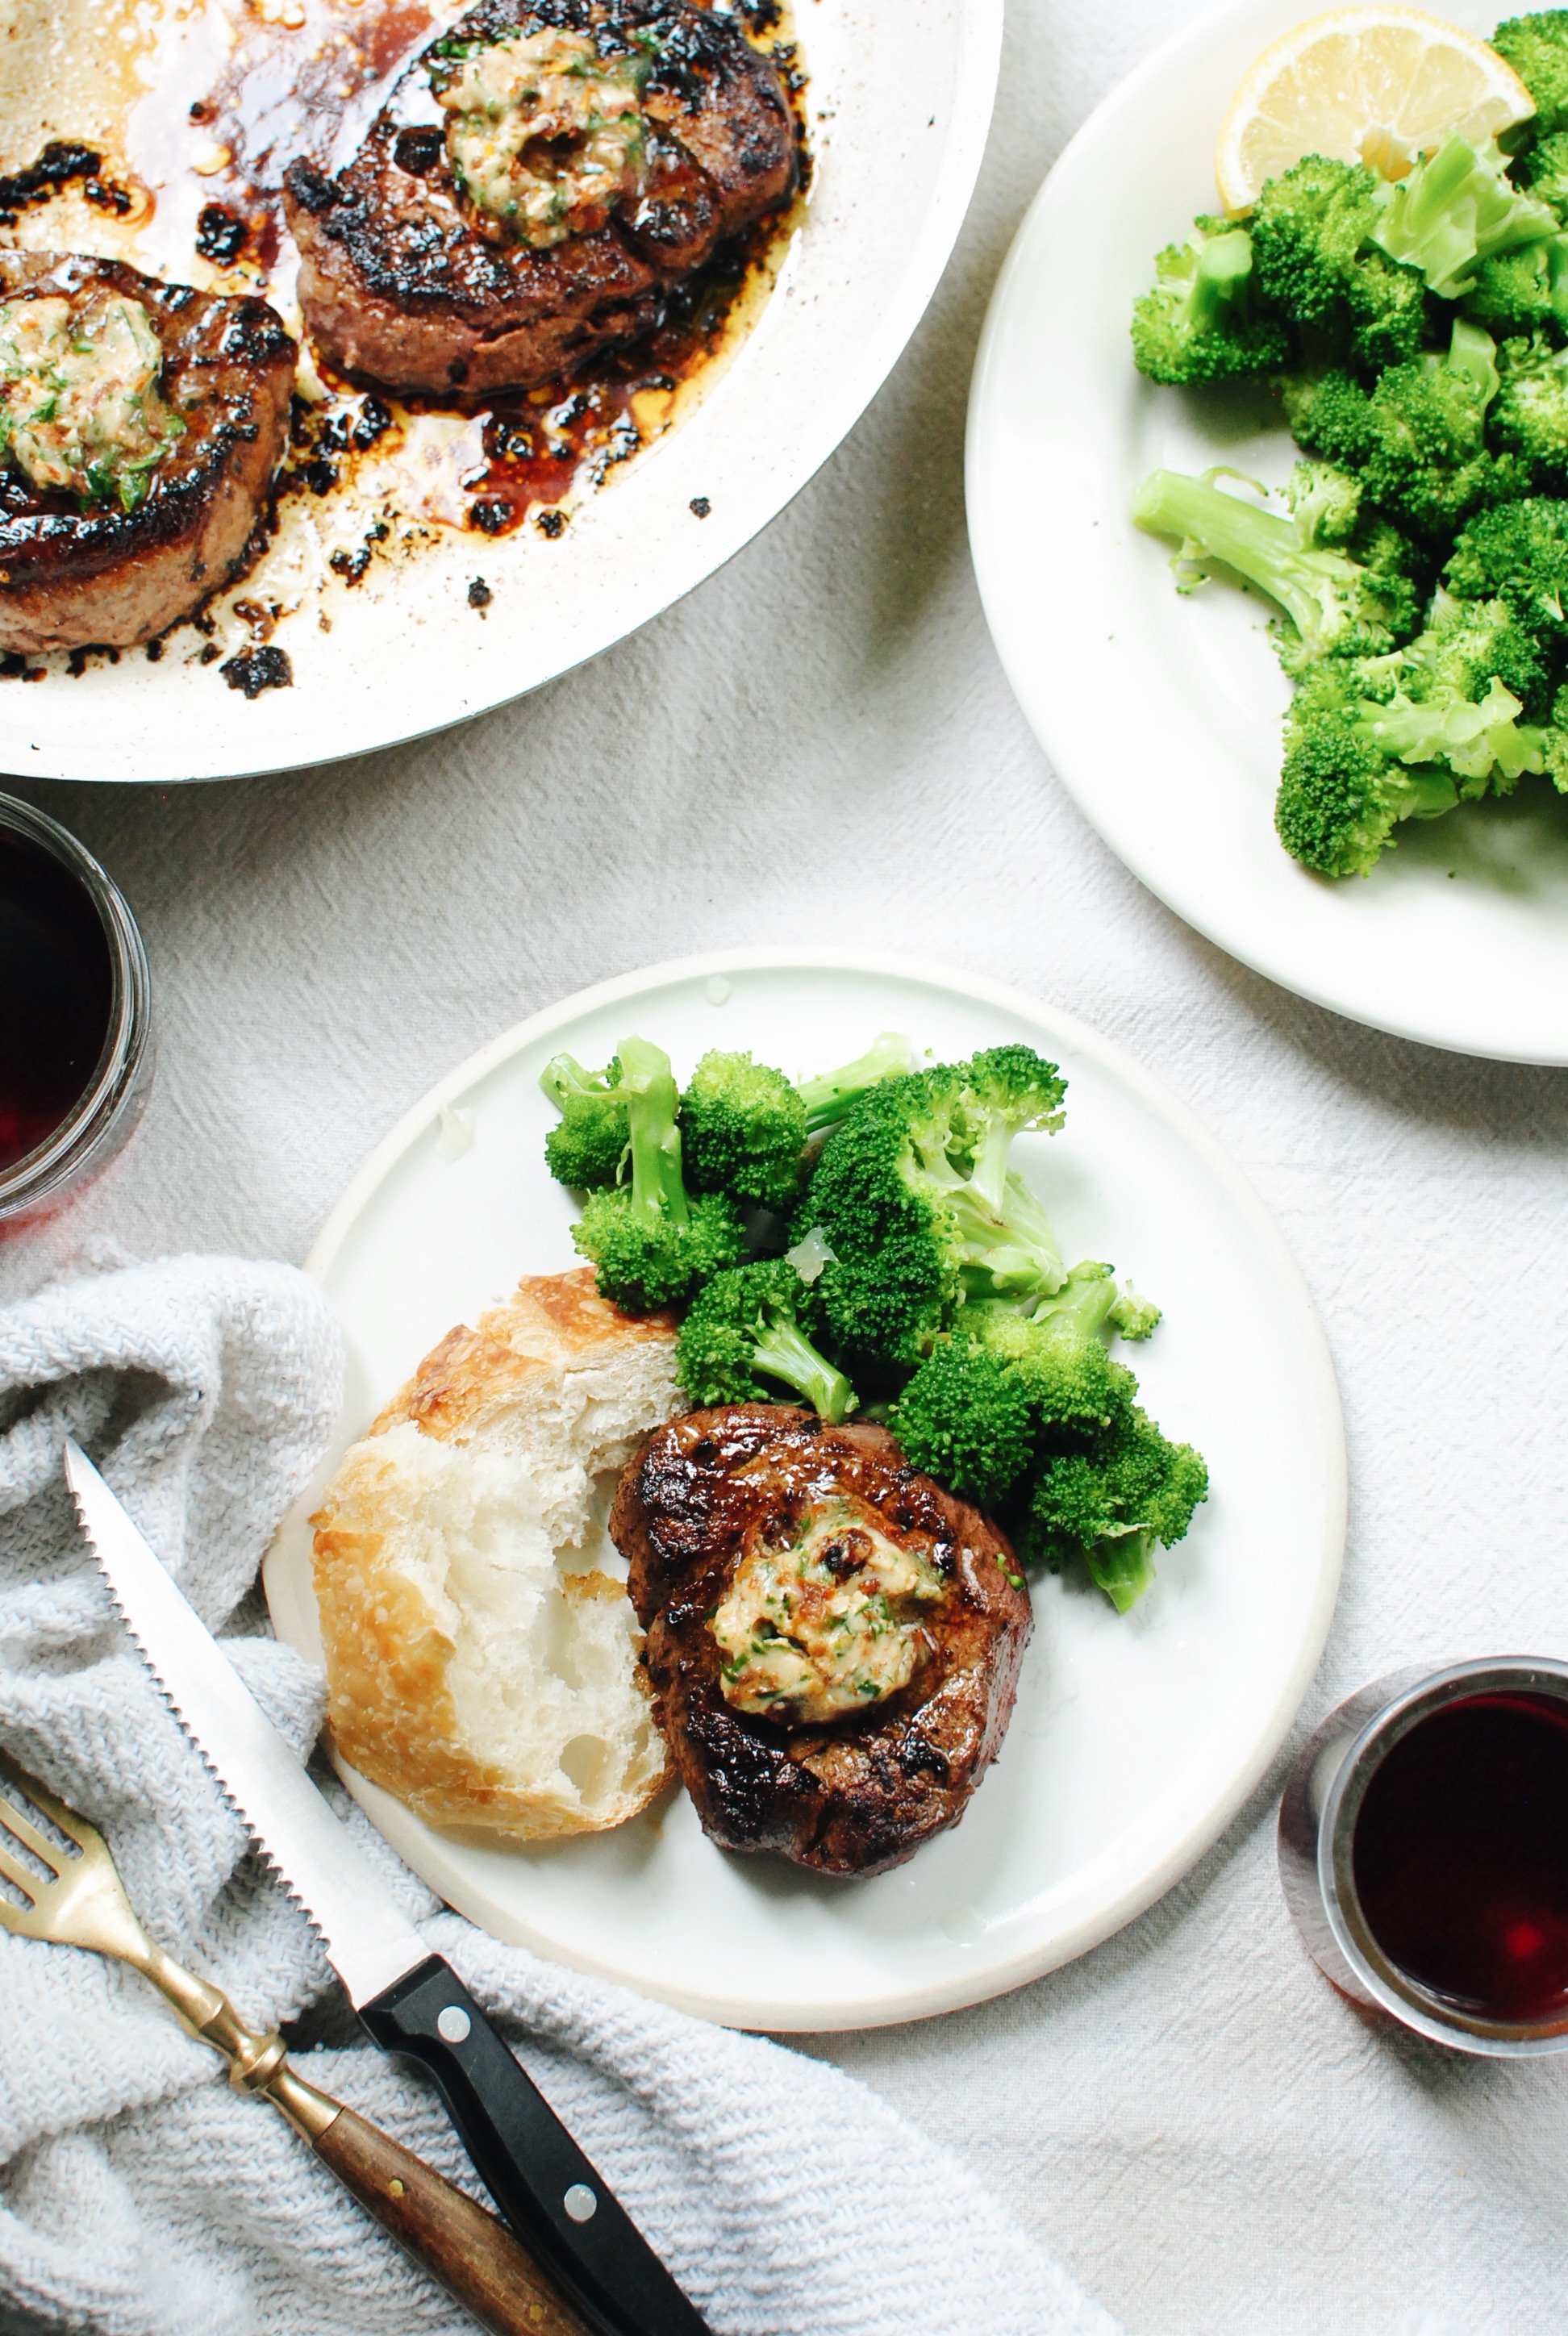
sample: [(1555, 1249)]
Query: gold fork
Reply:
[(78, 1899)]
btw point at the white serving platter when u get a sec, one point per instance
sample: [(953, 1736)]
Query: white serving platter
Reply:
[(898, 103), (1160, 713), (1135, 1741)]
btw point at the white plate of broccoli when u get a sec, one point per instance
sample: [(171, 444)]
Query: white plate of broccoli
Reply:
[(1159, 1682), (1398, 556)]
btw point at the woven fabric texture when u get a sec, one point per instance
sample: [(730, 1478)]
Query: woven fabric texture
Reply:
[(139, 2196), (819, 747)]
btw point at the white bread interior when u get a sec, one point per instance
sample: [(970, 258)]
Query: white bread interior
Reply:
[(483, 1660)]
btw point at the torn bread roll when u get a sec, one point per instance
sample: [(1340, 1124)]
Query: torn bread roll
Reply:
[(483, 1660)]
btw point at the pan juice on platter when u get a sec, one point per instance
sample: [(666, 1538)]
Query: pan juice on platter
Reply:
[(1461, 1856)]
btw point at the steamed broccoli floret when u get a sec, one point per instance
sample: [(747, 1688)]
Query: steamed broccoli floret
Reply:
[(1112, 1503), (1058, 1349), (1200, 322), (588, 1145), (1466, 648), (1523, 291), (650, 1243), (833, 1094), (746, 1127), (1537, 48), (645, 1260), (1373, 742), (1006, 1382), (1480, 238), (966, 1418), (1341, 796), (1544, 169), (1335, 605), (1317, 266), (1324, 501), (914, 1198), (744, 1130), (752, 1324), (884, 1302), (1417, 442), (1519, 554), (1135, 1319), (1456, 209), (1022, 1406), (1531, 416)]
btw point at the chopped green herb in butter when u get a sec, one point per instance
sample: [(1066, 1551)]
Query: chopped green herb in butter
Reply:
[(80, 411), (826, 1624), (546, 135)]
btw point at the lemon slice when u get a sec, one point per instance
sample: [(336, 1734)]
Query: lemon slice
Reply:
[(1370, 84)]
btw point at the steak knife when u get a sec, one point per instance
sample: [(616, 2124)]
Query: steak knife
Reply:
[(410, 2002)]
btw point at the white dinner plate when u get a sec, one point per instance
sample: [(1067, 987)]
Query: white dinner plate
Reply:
[(1134, 1738), (1160, 713), (898, 104)]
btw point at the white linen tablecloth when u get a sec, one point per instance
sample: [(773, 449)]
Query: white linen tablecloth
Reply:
[(819, 746)]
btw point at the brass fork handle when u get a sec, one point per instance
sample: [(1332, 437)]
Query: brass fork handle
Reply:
[(253, 2060), (474, 2256), (78, 1899)]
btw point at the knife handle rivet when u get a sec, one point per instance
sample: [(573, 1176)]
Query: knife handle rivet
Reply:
[(581, 2203), (454, 2024)]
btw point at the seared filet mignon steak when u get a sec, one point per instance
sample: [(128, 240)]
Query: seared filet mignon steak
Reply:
[(832, 1640), (140, 426), (540, 179)]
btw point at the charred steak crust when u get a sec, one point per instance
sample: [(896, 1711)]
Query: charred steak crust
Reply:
[(399, 285), (857, 1795), (70, 578)]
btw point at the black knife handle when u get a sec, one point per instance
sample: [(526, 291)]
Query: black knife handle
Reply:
[(555, 2200)]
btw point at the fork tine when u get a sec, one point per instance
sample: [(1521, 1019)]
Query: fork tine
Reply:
[(21, 1877), (48, 1852), (83, 1901), (75, 1828)]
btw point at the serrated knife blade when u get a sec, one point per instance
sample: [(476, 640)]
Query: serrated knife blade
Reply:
[(410, 2002), (371, 1943)]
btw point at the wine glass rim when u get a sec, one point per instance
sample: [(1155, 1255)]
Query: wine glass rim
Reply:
[(84, 1128), (1414, 1695)]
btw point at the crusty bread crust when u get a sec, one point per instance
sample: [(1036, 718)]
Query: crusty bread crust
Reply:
[(553, 1323), (473, 1669)]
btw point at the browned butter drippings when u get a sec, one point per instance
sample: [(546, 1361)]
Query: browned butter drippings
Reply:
[(214, 100), (197, 107)]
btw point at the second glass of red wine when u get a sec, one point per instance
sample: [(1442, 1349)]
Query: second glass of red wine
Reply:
[(1424, 1852)]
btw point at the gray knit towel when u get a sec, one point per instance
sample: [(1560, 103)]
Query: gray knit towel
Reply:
[(139, 2195)]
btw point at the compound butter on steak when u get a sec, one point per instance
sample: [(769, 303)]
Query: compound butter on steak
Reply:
[(541, 179), (140, 424), (834, 1641)]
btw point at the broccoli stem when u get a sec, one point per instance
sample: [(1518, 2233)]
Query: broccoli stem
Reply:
[(564, 1076), (1219, 277), (1311, 585), (832, 1094), (1474, 740), (1084, 1304), (1122, 1566), (988, 1176), (1455, 211), (1473, 353), (657, 1190), (1011, 1250), (783, 1353)]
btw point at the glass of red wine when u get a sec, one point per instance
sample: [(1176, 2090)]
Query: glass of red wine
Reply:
[(74, 1008), (1424, 1852)]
